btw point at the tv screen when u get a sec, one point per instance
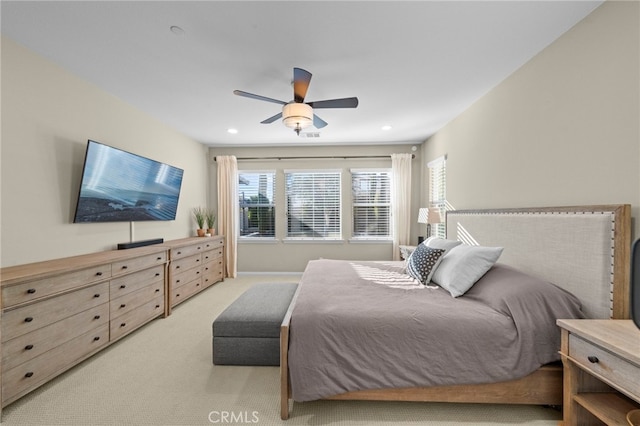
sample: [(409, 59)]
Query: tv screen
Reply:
[(118, 186)]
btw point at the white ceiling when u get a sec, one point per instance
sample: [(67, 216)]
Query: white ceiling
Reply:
[(413, 65)]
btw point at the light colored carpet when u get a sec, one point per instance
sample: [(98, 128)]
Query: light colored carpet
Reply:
[(162, 374)]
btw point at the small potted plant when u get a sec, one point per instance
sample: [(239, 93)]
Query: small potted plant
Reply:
[(199, 214), (211, 222)]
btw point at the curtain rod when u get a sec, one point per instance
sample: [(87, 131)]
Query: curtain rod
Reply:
[(320, 157)]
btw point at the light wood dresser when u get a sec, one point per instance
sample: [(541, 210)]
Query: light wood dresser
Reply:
[(57, 313), (601, 371), (194, 265)]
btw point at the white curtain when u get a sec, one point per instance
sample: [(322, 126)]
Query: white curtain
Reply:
[(401, 201), (228, 210)]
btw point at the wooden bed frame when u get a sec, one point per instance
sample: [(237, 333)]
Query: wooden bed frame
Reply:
[(601, 232)]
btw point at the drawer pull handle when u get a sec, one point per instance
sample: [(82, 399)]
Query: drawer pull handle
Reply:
[(96, 295), (99, 274), (123, 286), (177, 281), (179, 252), (123, 305), (177, 266), (124, 324), (178, 295), (95, 339), (158, 274), (157, 290), (31, 290), (124, 266), (29, 374), (28, 319), (197, 260), (28, 347), (593, 359), (157, 306), (96, 317), (159, 258)]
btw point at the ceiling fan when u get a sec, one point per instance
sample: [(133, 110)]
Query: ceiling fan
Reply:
[(298, 114)]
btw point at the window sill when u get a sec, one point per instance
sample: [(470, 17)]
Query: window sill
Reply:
[(311, 241), (370, 241)]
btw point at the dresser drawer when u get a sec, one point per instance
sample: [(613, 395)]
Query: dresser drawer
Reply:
[(132, 300), (28, 346), (213, 243), (137, 263), (130, 321), (183, 264), (184, 292), (179, 279), (31, 374), (19, 321), (212, 273), (210, 255), (614, 370), (132, 282), (37, 289), (186, 251)]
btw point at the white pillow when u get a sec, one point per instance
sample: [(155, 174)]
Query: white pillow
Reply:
[(463, 265), (441, 243)]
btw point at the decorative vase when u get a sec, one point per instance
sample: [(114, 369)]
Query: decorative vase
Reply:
[(211, 231), (200, 232)]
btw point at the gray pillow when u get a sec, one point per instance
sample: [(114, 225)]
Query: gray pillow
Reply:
[(441, 243), (423, 262), (463, 265)]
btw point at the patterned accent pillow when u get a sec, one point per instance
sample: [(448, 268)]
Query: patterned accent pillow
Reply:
[(423, 262)]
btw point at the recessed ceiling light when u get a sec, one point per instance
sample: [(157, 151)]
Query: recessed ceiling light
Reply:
[(386, 127), (232, 131), (176, 30)]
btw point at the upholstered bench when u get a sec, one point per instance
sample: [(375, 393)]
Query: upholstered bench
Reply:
[(247, 332)]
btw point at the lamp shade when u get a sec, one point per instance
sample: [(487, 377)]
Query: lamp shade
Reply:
[(297, 115), (429, 215)]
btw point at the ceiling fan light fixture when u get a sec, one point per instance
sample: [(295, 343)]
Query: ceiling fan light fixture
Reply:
[(297, 116)]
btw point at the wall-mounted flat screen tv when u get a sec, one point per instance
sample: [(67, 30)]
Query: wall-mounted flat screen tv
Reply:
[(118, 186)]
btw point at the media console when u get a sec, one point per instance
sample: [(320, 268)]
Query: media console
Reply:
[(57, 313)]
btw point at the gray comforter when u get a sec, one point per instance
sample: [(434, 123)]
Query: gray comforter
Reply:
[(367, 325)]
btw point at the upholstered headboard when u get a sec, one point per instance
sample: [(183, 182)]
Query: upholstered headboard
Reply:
[(583, 249)]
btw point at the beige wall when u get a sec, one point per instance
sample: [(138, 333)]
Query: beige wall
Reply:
[(47, 116), (562, 130), (286, 256)]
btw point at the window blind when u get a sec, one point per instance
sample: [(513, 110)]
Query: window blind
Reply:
[(371, 194), (438, 191), (313, 204), (257, 206)]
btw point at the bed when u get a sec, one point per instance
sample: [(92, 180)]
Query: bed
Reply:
[(583, 251)]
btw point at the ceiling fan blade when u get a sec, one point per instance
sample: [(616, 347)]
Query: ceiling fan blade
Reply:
[(301, 79), (258, 97), (335, 103), (318, 122), (278, 116)]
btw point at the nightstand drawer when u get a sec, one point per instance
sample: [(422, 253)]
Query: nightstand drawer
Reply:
[(615, 371)]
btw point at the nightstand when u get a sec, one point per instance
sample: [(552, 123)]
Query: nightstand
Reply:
[(405, 251), (601, 361)]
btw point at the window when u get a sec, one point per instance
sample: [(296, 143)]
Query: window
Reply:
[(257, 208), (371, 192), (313, 204), (438, 192)]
